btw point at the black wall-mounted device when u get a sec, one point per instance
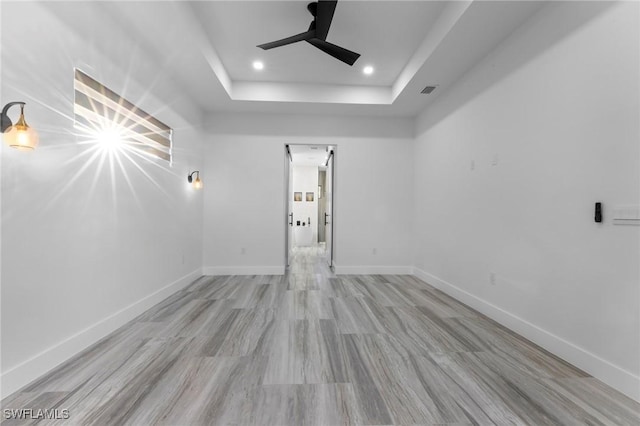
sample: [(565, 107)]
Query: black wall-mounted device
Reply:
[(598, 215)]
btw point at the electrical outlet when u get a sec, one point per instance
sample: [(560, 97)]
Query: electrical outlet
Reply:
[(492, 278), (494, 160), (473, 165), (374, 251), (243, 250)]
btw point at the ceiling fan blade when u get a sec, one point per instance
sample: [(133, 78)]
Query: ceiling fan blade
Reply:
[(324, 16), (289, 40), (337, 52)]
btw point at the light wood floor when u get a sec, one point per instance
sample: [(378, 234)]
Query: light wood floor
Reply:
[(310, 348)]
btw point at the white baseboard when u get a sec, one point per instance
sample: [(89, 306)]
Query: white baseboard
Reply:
[(243, 270), (603, 370), (22, 374), (372, 270)]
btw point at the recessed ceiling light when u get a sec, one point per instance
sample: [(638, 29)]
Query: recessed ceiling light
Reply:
[(368, 70), (258, 65)]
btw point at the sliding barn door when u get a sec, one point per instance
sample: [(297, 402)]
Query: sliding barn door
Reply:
[(328, 216)]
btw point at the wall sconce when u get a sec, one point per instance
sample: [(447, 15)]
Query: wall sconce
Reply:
[(196, 183), (20, 135)]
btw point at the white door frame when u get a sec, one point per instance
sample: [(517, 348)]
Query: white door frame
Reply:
[(288, 200)]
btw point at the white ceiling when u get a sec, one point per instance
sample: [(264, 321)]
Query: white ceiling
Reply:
[(207, 47), (309, 155), (371, 29)]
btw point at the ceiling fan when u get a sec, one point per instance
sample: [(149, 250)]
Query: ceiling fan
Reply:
[(322, 12)]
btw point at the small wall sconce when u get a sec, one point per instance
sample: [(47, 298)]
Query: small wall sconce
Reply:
[(20, 135), (196, 183)]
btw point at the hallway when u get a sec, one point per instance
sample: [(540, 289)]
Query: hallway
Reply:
[(313, 348)]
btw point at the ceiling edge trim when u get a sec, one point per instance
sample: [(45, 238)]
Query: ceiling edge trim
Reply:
[(316, 93), (443, 26)]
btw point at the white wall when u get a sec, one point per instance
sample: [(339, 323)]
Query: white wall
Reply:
[(305, 179), (555, 107), (244, 155), (86, 245)]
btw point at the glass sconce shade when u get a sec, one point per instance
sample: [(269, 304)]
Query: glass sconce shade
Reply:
[(20, 136), (195, 182)]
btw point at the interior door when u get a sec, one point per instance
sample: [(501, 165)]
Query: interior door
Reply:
[(288, 173), (328, 215)]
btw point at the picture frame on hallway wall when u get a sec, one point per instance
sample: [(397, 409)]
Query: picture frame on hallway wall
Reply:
[(309, 196), (297, 196)]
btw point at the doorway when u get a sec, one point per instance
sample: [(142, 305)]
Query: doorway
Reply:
[(309, 194)]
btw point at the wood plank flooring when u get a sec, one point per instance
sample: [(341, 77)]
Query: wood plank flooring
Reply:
[(310, 348)]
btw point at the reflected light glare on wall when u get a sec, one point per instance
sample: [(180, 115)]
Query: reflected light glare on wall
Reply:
[(19, 135), (110, 140)]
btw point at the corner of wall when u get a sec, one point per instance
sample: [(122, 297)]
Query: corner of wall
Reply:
[(614, 376), (22, 374)]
